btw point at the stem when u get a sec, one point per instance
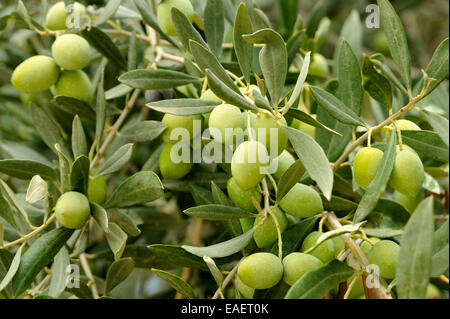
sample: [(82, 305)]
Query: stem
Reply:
[(115, 128), (31, 234), (375, 129), (87, 271), (226, 281)]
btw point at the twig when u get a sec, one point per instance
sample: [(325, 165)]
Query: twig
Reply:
[(226, 281), (87, 271), (443, 278), (31, 234)]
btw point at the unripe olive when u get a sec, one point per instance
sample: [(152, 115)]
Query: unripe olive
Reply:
[(380, 44), (223, 117), (366, 246), (248, 164), (308, 129), (403, 125), (35, 74), (71, 52), (97, 190), (57, 16), (433, 292), (302, 201), (248, 93), (366, 164), (384, 254), (165, 17), (339, 245), (75, 84), (266, 234), (263, 126), (247, 223), (209, 95), (260, 270), (298, 264), (244, 290), (318, 66), (408, 173), (179, 121), (242, 198), (169, 169), (325, 251), (72, 210), (408, 202), (282, 163)]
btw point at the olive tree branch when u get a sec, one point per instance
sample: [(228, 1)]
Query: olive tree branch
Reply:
[(226, 281), (31, 234), (376, 129), (88, 272)]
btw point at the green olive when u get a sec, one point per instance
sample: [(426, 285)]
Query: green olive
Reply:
[(366, 164), (72, 210), (298, 264), (304, 127), (318, 66), (264, 126), (282, 164), (75, 84), (433, 292), (366, 246), (384, 254), (226, 124), (57, 16), (242, 198), (325, 251), (71, 52), (244, 290), (179, 122), (380, 43), (164, 14), (97, 190), (410, 203), (339, 245), (403, 125), (209, 95), (266, 234), (169, 169), (249, 163), (260, 270), (302, 201), (35, 74), (408, 173)]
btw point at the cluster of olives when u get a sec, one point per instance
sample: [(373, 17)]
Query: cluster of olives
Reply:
[(407, 175), (62, 73)]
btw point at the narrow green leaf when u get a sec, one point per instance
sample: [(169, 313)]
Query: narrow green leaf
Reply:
[(103, 44), (336, 108), (317, 283), (12, 269), (100, 216), (207, 60), (226, 94), (396, 38), (439, 65), (59, 274), (201, 195), (214, 19), (107, 12), (100, 108), (217, 212), (273, 60), (184, 29), (378, 185), (24, 169), (116, 239), (142, 187), (79, 174), (427, 143), (378, 60), (184, 106), (300, 81), (176, 282), (244, 50), (118, 272), (308, 119), (82, 292), (440, 259), (79, 143), (349, 76), (315, 160), (156, 79), (117, 91), (383, 232), (316, 15), (219, 196), (117, 160), (124, 221), (375, 84), (291, 177), (39, 255), (416, 249), (177, 256), (74, 107), (224, 249), (294, 44), (440, 125)]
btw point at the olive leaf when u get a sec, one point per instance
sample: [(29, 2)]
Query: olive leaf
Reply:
[(184, 29), (79, 143), (156, 79), (59, 274), (308, 119), (215, 20), (75, 107), (12, 269), (79, 174), (118, 272), (116, 239), (440, 258), (176, 282), (100, 109), (439, 65), (184, 106), (24, 169), (116, 161), (375, 84), (107, 12), (427, 143), (291, 177), (244, 50), (300, 81), (217, 212)]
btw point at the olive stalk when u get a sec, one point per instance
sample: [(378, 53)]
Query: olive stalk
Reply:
[(88, 272)]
